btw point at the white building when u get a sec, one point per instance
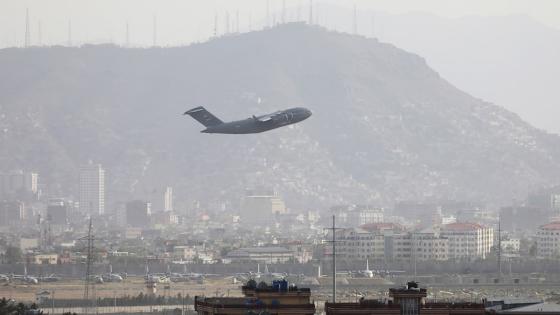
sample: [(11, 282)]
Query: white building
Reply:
[(92, 189), (511, 245), (468, 241), (548, 241), (370, 215), (168, 199), (358, 244), (269, 255)]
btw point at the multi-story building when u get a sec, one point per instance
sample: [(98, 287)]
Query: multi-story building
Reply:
[(359, 244), (18, 184), (269, 255), (92, 189), (138, 213), (355, 215), (58, 211), (11, 212), (430, 247), (409, 300), (548, 241), (398, 247), (260, 207), (279, 299), (168, 199), (468, 241)]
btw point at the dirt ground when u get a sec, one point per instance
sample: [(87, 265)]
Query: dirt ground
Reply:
[(73, 289)]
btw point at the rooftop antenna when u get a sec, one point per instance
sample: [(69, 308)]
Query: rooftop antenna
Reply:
[(154, 26), (355, 22), (333, 242), (27, 31)]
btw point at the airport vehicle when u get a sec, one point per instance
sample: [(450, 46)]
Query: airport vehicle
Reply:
[(49, 278), (255, 124)]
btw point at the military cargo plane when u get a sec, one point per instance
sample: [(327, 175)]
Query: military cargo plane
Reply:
[(253, 124)]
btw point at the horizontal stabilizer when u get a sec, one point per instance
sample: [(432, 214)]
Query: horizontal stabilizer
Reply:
[(203, 116)]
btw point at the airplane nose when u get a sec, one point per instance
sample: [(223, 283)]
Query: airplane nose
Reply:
[(308, 113)]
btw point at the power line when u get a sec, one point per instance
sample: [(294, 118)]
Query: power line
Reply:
[(89, 285), (333, 242)]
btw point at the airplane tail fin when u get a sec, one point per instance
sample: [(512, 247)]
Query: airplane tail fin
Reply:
[(203, 116)]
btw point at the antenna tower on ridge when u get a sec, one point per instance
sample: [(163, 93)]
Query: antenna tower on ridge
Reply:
[(27, 31)]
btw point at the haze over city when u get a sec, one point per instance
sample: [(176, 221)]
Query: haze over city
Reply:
[(309, 157)]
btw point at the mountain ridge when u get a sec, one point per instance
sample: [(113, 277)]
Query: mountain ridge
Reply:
[(385, 128)]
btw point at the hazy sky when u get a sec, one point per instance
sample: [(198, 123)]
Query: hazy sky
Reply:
[(180, 22), (184, 21)]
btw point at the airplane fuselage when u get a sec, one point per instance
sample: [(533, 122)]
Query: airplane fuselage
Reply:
[(260, 123)]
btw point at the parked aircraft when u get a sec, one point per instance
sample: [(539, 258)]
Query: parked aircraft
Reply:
[(25, 278), (250, 125), (112, 277), (4, 278), (155, 277), (188, 276), (49, 278), (365, 273)]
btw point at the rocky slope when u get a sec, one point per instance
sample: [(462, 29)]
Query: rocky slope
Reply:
[(385, 127)]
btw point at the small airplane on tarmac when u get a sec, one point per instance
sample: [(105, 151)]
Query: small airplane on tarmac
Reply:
[(4, 278), (365, 273), (155, 277), (266, 274), (112, 277), (25, 278), (49, 278), (188, 276)]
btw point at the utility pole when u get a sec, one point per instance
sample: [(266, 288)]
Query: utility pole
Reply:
[(333, 229), (499, 248), (89, 285)]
